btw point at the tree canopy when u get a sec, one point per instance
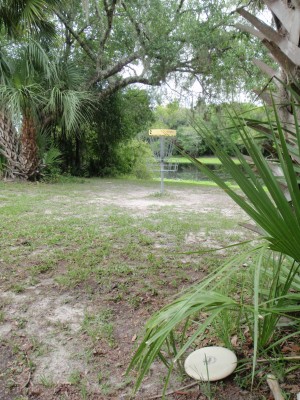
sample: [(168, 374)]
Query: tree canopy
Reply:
[(122, 43), (98, 50)]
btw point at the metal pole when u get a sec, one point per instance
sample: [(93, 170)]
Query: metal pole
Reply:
[(162, 155)]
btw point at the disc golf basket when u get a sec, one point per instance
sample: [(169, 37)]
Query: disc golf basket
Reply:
[(162, 144)]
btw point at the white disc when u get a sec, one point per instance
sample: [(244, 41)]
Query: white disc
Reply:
[(210, 363)]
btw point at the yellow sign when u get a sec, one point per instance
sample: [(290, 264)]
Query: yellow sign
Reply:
[(162, 132)]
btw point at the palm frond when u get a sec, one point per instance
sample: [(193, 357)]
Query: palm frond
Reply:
[(52, 157), (271, 200), (270, 209), (38, 59), (17, 16), (202, 297), (73, 107)]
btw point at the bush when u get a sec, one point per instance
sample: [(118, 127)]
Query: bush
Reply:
[(133, 158)]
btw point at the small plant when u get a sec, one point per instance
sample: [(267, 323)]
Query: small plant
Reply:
[(105, 388), (75, 378), (84, 390), (39, 348), (18, 288), (2, 317), (21, 323), (46, 381), (99, 326), (134, 301), (42, 268)]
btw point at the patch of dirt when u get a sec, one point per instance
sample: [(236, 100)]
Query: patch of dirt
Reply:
[(7, 389), (46, 354), (143, 201)]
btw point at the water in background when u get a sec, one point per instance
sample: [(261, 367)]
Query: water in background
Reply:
[(192, 173)]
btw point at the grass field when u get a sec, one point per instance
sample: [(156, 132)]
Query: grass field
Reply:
[(83, 266), (204, 160)]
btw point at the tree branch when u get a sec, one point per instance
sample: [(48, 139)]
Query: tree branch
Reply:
[(289, 49), (280, 56), (97, 10), (112, 70), (119, 66), (265, 29), (282, 12), (141, 35), (180, 6), (122, 83), (251, 30), (109, 16), (76, 36), (266, 69)]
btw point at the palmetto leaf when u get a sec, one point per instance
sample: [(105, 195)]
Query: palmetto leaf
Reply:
[(51, 157), (272, 200), (19, 15), (271, 210), (15, 99), (73, 107), (38, 59), (202, 297)]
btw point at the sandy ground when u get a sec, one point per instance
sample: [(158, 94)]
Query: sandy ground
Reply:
[(51, 337), (142, 199)]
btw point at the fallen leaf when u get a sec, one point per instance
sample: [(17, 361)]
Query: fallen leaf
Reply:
[(295, 347), (133, 339), (234, 341), (286, 349)]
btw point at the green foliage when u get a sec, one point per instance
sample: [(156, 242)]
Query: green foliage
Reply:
[(99, 326), (34, 91), (49, 155), (2, 166), (272, 202), (106, 146), (80, 64), (17, 17), (191, 142), (171, 116), (214, 116), (133, 158)]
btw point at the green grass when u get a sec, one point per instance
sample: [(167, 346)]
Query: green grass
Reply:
[(203, 160), (193, 183), (118, 262), (52, 230), (46, 381), (99, 326)]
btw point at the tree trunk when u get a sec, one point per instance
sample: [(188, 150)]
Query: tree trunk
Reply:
[(29, 149), (10, 148)]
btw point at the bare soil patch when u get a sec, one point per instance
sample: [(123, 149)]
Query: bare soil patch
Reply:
[(70, 322)]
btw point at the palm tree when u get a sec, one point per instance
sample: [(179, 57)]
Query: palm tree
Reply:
[(20, 98), (35, 94), (19, 17)]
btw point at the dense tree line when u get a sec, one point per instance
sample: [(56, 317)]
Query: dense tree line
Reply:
[(67, 67)]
